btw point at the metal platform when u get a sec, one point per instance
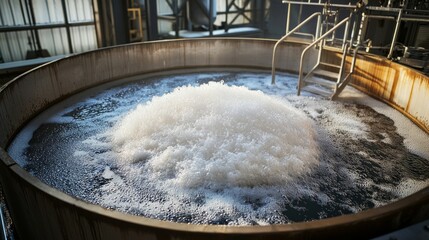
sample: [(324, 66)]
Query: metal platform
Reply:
[(237, 31)]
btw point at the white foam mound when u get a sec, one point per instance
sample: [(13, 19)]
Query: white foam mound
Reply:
[(218, 136)]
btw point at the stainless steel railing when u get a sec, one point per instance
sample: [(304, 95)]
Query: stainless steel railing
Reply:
[(300, 79), (274, 60)]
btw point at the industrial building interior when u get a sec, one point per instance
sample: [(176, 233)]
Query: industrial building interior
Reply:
[(35, 32), (50, 29)]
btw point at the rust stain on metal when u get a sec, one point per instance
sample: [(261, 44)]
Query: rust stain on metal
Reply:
[(410, 95), (394, 84)]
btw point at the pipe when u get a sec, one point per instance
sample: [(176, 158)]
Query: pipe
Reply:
[(405, 19), (321, 4), (386, 9), (411, 19), (306, 34), (44, 26), (380, 17)]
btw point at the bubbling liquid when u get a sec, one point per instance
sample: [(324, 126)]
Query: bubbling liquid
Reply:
[(218, 136), (183, 148)]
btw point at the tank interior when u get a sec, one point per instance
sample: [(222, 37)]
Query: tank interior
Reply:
[(290, 93)]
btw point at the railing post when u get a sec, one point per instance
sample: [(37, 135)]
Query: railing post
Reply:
[(274, 59), (395, 34), (318, 27), (288, 18), (321, 38), (335, 23), (352, 35), (346, 31), (362, 29), (343, 60)]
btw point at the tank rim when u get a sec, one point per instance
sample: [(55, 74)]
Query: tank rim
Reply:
[(383, 212), (343, 220)]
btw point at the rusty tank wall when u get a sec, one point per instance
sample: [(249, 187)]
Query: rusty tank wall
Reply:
[(41, 212), (403, 88)]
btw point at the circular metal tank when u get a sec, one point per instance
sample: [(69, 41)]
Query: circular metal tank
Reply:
[(42, 212)]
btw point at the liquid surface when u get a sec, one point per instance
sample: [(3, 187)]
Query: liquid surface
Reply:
[(215, 153), (217, 136)]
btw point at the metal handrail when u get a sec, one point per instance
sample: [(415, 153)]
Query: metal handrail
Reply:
[(320, 4), (312, 36), (311, 45), (273, 68), (343, 60), (342, 84)]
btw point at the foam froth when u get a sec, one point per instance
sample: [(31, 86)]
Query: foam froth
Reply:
[(216, 135), (225, 155)]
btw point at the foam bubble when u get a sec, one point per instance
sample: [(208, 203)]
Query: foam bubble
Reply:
[(410, 186), (216, 135), (362, 162), (415, 139)]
